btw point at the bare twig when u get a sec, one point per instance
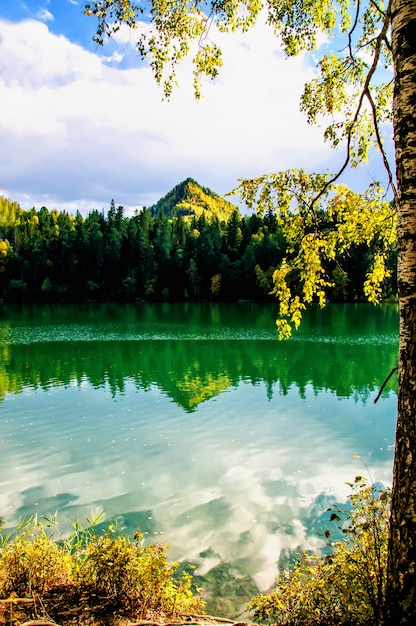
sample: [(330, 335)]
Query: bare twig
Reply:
[(39, 623), (17, 601), (385, 383), (380, 142)]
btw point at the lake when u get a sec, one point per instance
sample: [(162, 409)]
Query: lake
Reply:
[(196, 424)]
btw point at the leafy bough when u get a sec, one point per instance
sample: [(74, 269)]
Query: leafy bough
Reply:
[(320, 228)]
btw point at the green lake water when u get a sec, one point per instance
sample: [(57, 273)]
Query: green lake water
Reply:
[(193, 422)]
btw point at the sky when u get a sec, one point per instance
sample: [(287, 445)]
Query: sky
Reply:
[(81, 125)]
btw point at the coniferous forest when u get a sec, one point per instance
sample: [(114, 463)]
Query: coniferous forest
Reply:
[(191, 245)]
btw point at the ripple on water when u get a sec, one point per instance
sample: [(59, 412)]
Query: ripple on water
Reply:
[(76, 333)]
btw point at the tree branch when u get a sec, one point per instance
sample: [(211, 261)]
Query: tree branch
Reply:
[(364, 93), (385, 382), (353, 27), (378, 8), (380, 143)]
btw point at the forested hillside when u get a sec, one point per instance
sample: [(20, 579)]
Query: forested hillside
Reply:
[(190, 199), (191, 245)]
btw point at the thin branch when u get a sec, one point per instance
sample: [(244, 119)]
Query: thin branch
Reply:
[(377, 50), (364, 92), (378, 8), (385, 382), (380, 143), (208, 23), (388, 43), (335, 177), (353, 27), (367, 44), (17, 601), (39, 623)]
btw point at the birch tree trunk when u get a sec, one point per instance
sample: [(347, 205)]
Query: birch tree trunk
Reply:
[(401, 577)]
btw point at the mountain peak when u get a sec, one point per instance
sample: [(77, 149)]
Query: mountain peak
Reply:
[(189, 198)]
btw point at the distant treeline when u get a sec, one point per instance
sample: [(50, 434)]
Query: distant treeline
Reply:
[(47, 255)]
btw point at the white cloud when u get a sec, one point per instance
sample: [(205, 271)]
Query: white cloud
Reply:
[(44, 15), (78, 131)]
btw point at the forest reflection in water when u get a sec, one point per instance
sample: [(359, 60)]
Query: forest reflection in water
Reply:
[(346, 350), (195, 422)]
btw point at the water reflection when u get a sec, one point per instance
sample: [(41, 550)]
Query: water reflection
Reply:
[(194, 423), (192, 358)]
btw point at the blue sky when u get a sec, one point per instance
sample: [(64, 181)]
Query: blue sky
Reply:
[(80, 124), (64, 17)]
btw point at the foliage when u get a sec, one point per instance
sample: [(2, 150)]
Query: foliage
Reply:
[(189, 199), (129, 578), (348, 585), (31, 564), (153, 256), (320, 227)]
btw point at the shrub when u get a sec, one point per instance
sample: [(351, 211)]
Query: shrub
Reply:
[(30, 563), (139, 579), (348, 585), (90, 573)]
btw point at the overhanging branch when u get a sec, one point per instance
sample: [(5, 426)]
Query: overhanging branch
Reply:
[(365, 93)]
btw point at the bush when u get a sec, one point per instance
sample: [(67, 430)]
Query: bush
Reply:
[(31, 564), (348, 585), (89, 574), (137, 579)]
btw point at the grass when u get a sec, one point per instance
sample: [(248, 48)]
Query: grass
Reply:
[(89, 578)]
